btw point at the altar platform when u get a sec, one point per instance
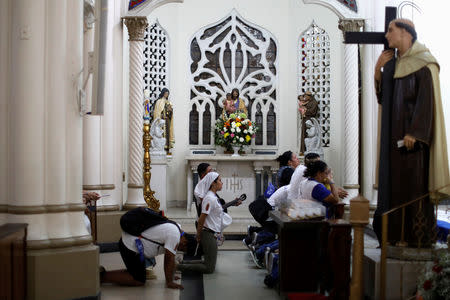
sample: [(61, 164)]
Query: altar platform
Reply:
[(248, 173)]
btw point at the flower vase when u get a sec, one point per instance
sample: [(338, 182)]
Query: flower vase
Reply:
[(236, 150)]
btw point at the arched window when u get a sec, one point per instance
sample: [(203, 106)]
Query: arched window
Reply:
[(314, 73), (234, 53), (156, 61)]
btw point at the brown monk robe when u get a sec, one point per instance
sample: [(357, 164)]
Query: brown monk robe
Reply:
[(411, 114), (309, 108)]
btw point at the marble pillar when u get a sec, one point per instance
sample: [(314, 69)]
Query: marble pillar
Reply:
[(351, 110), (101, 165), (44, 143), (136, 30)]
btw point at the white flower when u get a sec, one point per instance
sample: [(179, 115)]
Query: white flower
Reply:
[(241, 140), (238, 129), (147, 93), (233, 124), (245, 130), (225, 129), (250, 127), (233, 130)]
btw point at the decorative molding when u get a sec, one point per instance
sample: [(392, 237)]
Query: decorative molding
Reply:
[(347, 25), (314, 74), (341, 10), (131, 206), (136, 27), (245, 57), (95, 187), (135, 186), (351, 186), (104, 208), (59, 243), (89, 14), (41, 209)]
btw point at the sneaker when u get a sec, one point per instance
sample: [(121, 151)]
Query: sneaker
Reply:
[(255, 236), (246, 245), (256, 261), (150, 274)]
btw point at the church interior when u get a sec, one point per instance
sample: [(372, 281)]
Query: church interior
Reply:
[(128, 98)]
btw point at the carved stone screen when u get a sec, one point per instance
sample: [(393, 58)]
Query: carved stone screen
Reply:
[(233, 53), (314, 73), (156, 61)]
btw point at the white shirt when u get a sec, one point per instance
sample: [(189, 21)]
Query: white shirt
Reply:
[(296, 179), (212, 208), (200, 190), (167, 234), (278, 196)]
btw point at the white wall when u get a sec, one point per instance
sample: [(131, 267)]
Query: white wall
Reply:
[(286, 20)]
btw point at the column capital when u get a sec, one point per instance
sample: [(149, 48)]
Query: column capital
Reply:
[(89, 14), (351, 25), (136, 27)]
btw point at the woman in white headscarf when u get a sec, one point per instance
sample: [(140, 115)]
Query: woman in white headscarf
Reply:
[(210, 225)]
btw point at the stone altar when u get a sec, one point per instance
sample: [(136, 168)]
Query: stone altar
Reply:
[(249, 174)]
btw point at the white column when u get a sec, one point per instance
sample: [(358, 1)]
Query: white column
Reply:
[(351, 108), (5, 56), (91, 124), (44, 122), (102, 167), (136, 30)]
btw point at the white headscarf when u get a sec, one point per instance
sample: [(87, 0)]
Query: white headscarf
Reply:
[(204, 185), (294, 186)]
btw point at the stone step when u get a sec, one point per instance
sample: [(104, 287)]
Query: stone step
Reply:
[(186, 219)]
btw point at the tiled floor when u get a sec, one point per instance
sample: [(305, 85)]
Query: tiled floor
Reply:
[(235, 278)]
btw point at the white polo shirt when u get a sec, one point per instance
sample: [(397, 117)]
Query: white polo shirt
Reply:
[(166, 234), (212, 208)]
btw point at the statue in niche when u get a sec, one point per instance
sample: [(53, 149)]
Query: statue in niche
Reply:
[(164, 110), (308, 108), (158, 140), (313, 142)]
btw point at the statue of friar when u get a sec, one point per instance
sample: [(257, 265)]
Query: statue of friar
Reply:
[(164, 110), (308, 108), (413, 160)]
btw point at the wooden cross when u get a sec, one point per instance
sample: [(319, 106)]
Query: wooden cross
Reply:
[(372, 37)]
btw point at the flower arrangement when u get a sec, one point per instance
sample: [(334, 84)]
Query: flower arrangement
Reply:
[(435, 282), (237, 130)]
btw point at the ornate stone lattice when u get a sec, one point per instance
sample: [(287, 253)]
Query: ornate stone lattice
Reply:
[(314, 73), (351, 4), (156, 62), (233, 53)]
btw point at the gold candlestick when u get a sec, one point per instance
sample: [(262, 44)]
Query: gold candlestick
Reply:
[(149, 197)]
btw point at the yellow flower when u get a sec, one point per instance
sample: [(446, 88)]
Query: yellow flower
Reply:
[(238, 124), (247, 138), (226, 134)]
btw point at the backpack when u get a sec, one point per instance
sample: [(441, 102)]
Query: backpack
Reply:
[(140, 219), (259, 209)]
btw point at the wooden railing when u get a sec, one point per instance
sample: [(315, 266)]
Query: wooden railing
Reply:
[(402, 243)]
